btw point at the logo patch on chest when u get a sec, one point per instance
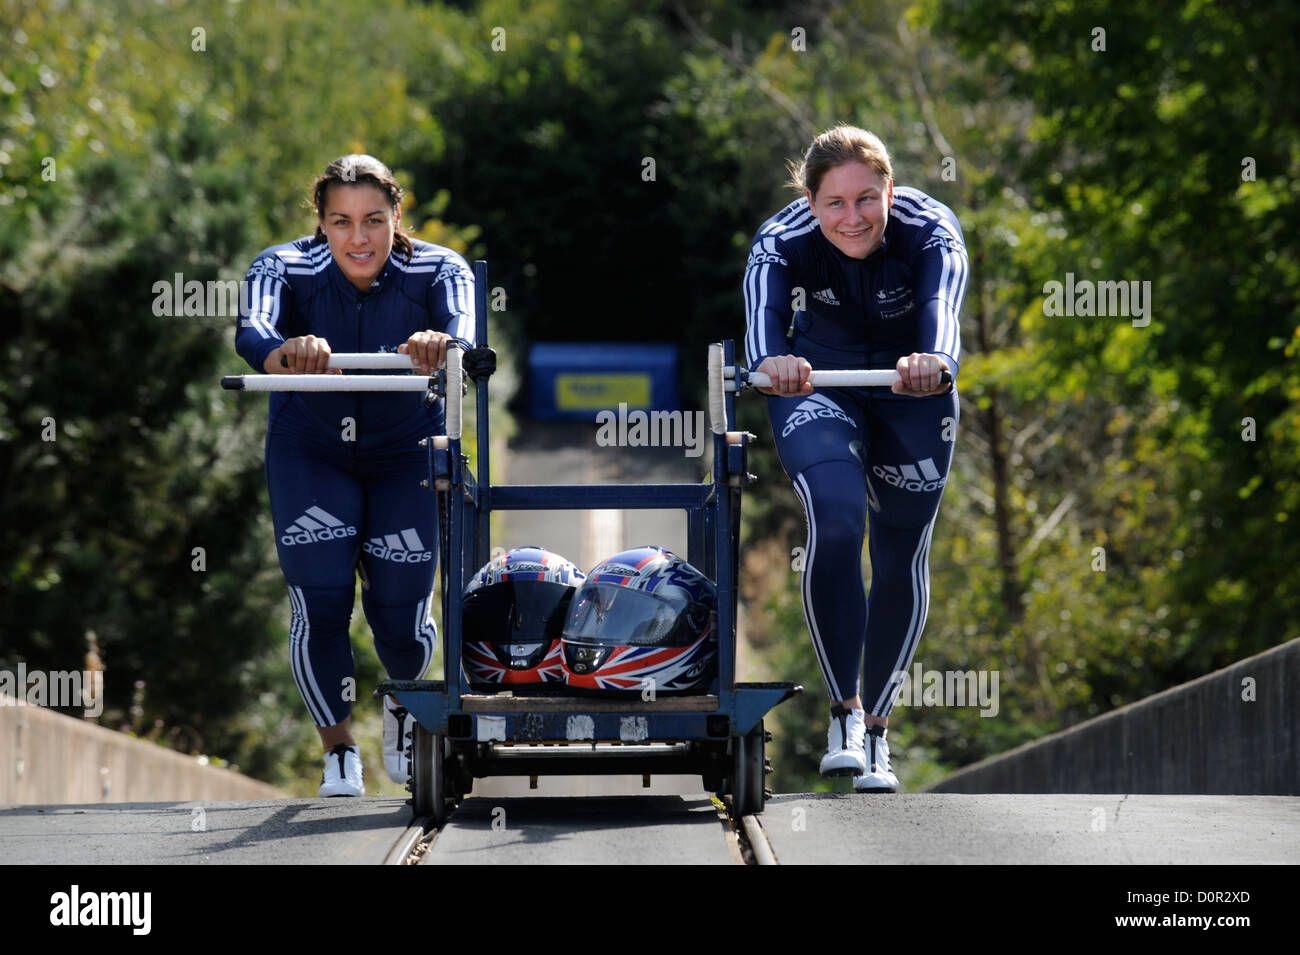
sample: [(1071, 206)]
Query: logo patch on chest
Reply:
[(895, 302)]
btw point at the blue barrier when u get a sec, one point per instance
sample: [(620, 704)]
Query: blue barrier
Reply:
[(575, 380)]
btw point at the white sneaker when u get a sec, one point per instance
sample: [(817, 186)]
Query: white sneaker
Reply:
[(879, 777), (342, 775), (397, 741), (846, 753)]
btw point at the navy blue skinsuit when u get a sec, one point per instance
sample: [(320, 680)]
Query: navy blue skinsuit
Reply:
[(862, 456), (344, 469)]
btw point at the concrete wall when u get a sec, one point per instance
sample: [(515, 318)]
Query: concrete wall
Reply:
[(49, 758), (1201, 737)]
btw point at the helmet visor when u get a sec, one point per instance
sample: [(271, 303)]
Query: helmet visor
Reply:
[(617, 616), (515, 611)]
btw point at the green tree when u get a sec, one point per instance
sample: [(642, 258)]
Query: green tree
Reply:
[(1171, 165)]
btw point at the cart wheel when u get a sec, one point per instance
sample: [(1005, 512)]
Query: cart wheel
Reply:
[(428, 780), (747, 776)]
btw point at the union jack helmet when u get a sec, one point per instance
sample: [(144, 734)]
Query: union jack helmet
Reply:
[(512, 615), (642, 619)]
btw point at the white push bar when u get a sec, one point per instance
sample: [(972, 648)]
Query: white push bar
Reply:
[(882, 378), (725, 378), (325, 383), (717, 397), (341, 360), (371, 361), (454, 380)]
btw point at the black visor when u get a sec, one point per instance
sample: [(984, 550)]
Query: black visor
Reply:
[(515, 611)]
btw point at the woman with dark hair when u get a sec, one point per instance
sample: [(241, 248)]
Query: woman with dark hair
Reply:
[(862, 275), (344, 469)]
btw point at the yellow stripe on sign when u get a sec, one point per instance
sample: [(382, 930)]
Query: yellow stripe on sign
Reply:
[(600, 391)]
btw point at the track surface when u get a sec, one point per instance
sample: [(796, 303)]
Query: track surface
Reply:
[(950, 828), (266, 832), (917, 828), (656, 830)]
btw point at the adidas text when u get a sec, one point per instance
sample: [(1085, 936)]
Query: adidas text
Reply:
[(312, 537), (384, 552), (808, 412), (907, 477)]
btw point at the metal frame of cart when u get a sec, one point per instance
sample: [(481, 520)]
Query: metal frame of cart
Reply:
[(460, 734)]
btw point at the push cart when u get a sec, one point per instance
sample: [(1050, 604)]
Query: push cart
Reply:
[(461, 733)]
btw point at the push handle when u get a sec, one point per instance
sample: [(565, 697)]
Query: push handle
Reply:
[(454, 393), (717, 390), (883, 378), (723, 378), (351, 360), (343, 361), (325, 382)]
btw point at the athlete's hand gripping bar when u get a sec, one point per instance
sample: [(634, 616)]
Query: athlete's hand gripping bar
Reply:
[(363, 360), (883, 378), (478, 361), (341, 360), (419, 383), (723, 378)]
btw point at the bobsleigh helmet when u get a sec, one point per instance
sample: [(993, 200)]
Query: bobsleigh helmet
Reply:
[(511, 617), (642, 619)]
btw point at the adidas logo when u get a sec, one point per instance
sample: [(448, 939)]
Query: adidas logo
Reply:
[(909, 478), (404, 547), (316, 525), (812, 408), (761, 258), (943, 241), (826, 295)]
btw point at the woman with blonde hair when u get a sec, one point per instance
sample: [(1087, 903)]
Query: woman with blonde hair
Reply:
[(862, 275)]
